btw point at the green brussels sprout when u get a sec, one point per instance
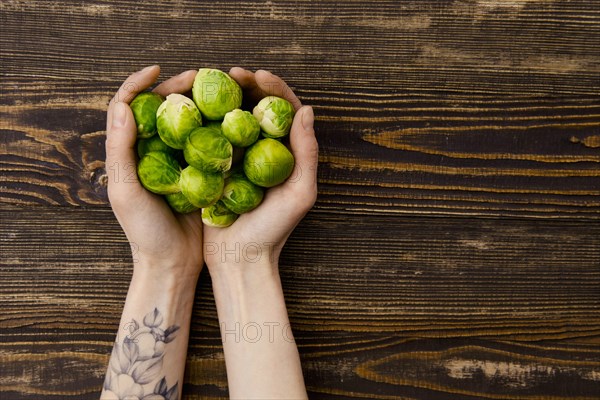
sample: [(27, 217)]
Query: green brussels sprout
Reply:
[(240, 128), (267, 163), (179, 203), (201, 188), (218, 215), (153, 143), (215, 93), (176, 117), (275, 116), (208, 150), (240, 195), (144, 108), (159, 172)]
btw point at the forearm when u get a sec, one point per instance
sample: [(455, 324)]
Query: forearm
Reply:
[(260, 352), (151, 345)]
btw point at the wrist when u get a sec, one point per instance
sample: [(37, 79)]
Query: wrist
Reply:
[(165, 278), (172, 268), (233, 283), (243, 273), (243, 297), (236, 257)]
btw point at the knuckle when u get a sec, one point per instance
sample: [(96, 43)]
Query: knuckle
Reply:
[(111, 144), (313, 147)]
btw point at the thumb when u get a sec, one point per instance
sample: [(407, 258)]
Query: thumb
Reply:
[(305, 149), (120, 156)]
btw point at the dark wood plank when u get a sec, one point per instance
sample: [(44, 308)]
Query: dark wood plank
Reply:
[(459, 109), (383, 306), (341, 366), (430, 107)]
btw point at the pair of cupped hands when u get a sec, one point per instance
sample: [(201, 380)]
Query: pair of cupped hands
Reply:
[(167, 242)]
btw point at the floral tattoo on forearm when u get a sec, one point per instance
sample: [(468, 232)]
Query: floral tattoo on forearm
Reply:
[(136, 364)]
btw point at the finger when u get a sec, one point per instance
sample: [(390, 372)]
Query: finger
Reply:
[(272, 85), (243, 77), (247, 82), (134, 84), (305, 149), (123, 184), (181, 83)]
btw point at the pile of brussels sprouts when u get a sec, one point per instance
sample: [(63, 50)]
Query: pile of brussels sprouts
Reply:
[(207, 153)]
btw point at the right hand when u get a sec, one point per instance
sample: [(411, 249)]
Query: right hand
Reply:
[(256, 238)]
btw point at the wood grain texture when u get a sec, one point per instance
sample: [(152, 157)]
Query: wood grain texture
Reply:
[(454, 250), (434, 107), (466, 308)]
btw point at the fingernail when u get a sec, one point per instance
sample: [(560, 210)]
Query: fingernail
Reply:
[(308, 118), (120, 115)]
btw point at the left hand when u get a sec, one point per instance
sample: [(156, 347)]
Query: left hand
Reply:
[(163, 241)]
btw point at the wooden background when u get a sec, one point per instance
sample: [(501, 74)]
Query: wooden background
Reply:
[(454, 250)]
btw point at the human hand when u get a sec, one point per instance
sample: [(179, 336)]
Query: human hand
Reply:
[(162, 241), (256, 238)]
